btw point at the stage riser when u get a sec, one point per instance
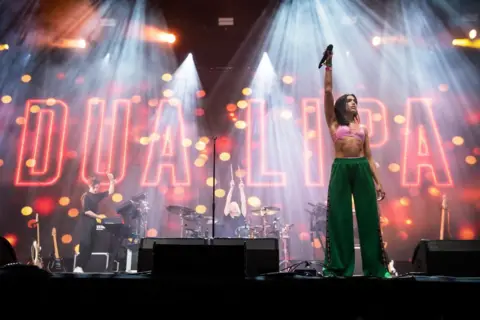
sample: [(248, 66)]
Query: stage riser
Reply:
[(307, 295), (261, 255)]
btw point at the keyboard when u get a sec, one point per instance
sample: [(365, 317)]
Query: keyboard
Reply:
[(110, 221)]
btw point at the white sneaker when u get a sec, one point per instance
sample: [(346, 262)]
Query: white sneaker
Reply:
[(78, 270)]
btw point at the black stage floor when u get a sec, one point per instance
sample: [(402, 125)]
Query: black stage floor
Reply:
[(404, 297)]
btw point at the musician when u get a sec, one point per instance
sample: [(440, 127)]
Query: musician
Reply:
[(234, 216), (90, 203), (353, 172)]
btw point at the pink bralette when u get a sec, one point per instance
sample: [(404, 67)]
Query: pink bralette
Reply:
[(345, 131)]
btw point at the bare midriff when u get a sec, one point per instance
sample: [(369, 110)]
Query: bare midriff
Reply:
[(348, 147)]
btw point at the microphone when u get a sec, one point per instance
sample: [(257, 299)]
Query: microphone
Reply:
[(327, 52)]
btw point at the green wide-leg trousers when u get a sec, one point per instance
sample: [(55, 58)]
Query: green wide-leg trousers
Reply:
[(353, 176)]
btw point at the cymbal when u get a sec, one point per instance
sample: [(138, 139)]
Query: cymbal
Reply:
[(180, 210), (265, 211), (209, 220)]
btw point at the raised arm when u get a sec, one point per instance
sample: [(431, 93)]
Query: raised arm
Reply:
[(243, 199), (226, 211), (111, 187), (328, 96)]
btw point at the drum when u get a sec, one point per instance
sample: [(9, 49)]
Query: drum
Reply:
[(245, 232), (191, 233)]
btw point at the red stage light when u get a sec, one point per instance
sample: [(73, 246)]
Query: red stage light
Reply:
[(170, 150), (117, 150), (421, 153), (265, 177), (44, 206), (45, 175), (376, 139), (312, 106)]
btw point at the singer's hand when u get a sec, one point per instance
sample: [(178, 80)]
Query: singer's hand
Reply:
[(241, 185), (380, 192), (329, 59)]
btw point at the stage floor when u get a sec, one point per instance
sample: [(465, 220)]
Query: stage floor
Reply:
[(286, 281), (405, 297)]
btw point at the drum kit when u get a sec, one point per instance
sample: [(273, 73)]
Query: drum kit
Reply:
[(274, 229), (195, 225)]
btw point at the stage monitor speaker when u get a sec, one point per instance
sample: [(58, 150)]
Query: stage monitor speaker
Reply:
[(145, 252), (455, 258), (198, 261), (261, 255)]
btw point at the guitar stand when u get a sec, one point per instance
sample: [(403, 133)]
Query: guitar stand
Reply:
[(318, 234), (285, 263)]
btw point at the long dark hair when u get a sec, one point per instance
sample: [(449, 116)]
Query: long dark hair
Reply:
[(341, 110)]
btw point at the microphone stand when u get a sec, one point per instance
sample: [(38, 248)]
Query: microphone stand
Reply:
[(213, 187), (312, 237)]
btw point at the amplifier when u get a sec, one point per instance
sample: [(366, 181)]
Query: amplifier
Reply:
[(103, 240), (261, 255), (145, 252)]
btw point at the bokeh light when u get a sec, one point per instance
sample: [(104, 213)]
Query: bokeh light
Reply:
[(124, 102), (26, 211)]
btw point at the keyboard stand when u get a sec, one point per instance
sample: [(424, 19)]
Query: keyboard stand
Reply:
[(128, 267)]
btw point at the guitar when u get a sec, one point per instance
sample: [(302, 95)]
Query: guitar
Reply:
[(442, 219), (36, 248), (56, 264)]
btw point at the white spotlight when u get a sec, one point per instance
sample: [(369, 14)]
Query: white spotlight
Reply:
[(376, 41), (472, 34)]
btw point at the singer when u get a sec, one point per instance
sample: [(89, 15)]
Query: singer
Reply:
[(353, 173)]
